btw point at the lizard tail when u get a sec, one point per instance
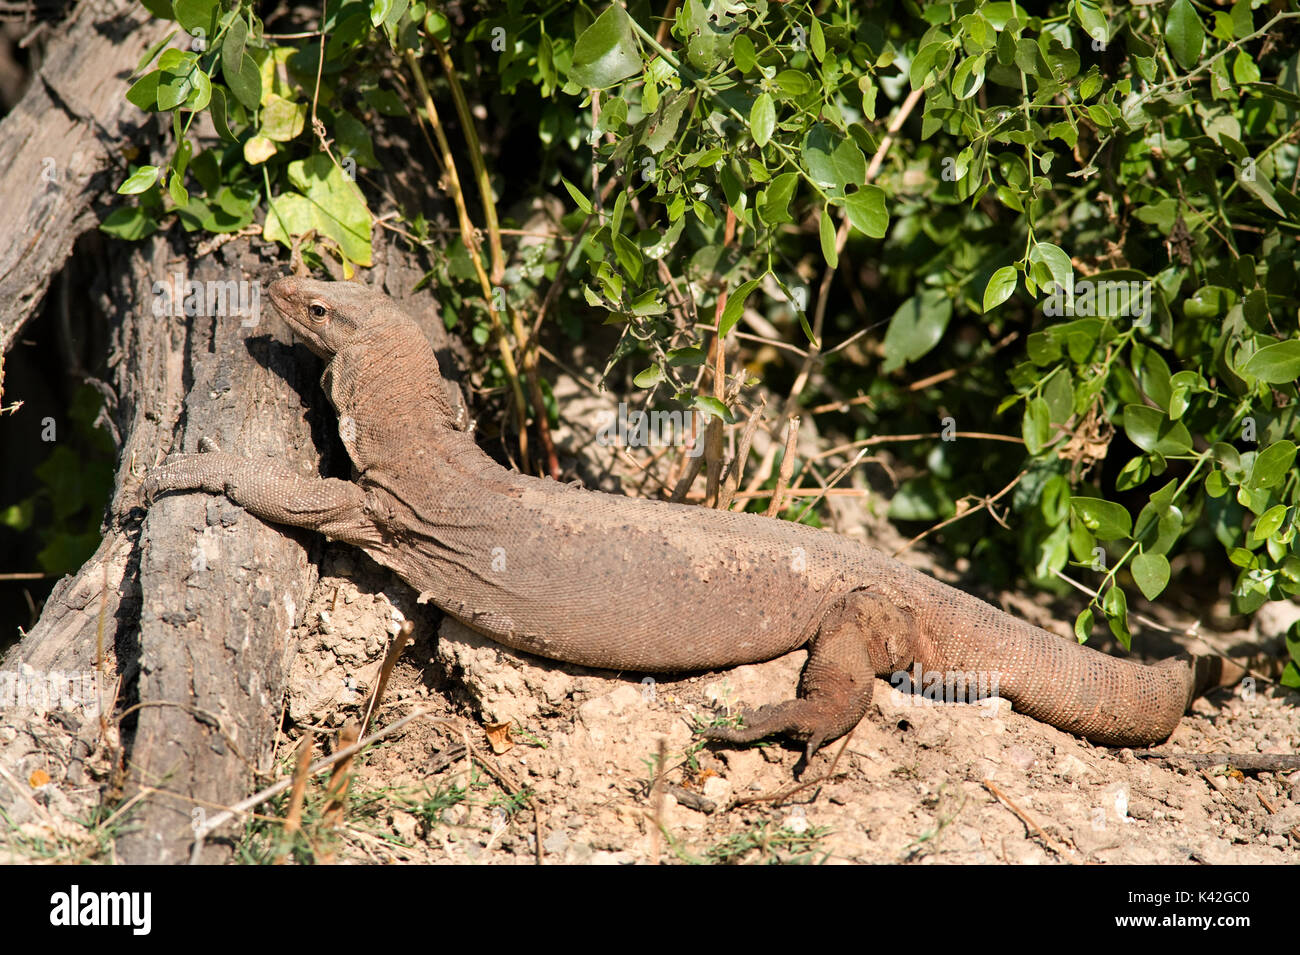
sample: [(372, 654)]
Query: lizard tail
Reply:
[(1213, 672), (1105, 699)]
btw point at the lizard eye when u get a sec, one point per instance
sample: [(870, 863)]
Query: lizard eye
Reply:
[(317, 310)]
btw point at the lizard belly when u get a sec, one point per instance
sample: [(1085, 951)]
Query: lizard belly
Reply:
[(645, 592)]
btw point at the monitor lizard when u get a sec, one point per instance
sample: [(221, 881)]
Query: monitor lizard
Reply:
[(620, 583)]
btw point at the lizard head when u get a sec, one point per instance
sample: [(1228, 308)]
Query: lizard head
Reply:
[(383, 352), (328, 316)]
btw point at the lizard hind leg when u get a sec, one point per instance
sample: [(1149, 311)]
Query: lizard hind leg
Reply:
[(863, 635)]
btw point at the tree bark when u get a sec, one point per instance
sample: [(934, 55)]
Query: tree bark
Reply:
[(60, 148)]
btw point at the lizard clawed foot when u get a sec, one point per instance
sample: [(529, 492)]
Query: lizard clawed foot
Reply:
[(180, 472), (798, 719)]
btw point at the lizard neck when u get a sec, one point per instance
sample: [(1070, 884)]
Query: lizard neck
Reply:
[(389, 383)]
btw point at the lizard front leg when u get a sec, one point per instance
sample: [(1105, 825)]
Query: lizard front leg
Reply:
[(335, 508), (864, 635)]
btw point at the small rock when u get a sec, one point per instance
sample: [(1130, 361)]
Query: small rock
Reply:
[(556, 842), (743, 764), (1020, 757), (611, 858), (1072, 767), (405, 825), (718, 789)]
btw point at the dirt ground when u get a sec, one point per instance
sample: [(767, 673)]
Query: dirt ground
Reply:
[(596, 767)]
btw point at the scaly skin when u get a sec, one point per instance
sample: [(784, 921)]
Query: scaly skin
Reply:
[(626, 584)]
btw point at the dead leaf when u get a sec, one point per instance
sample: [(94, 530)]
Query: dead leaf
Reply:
[(498, 735)]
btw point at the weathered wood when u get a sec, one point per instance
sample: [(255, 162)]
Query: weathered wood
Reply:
[(60, 147), (220, 590)]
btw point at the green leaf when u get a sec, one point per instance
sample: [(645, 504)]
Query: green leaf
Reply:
[(1115, 606), (144, 91), (762, 119), (1151, 572), (629, 256), (220, 117), (916, 327), (131, 223), (648, 377), (1268, 523), (742, 51), (147, 57), (661, 246), (1090, 18), (691, 356), (866, 211), (1036, 426), (1133, 473), (793, 83), (245, 81), (774, 202), (139, 181), (711, 408), (1083, 625), (176, 190), (581, 200), (1184, 33), (1105, 519), (923, 64), (1216, 485), (1001, 285), (195, 14), (833, 160), (969, 77), (1271, 465), (1056, 261), (330, 202), (1293, 644), (920, 499), (826, 235), (1151, 430), (736, 306), (1276, 364), (817, 41), (606, 52)]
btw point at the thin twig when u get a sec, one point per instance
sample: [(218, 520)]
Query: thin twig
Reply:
[(787, 468), (781, 795), (1061, 850), (985, 503), (470, 237), (527, 354), (395, 649)]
